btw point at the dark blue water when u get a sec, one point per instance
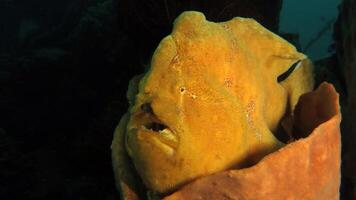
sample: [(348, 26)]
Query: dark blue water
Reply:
[(313, 21)]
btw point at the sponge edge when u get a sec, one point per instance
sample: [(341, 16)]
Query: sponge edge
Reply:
[(228, 72), (307, 169)]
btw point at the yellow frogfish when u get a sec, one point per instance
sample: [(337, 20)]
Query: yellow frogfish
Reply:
[(213, 99)]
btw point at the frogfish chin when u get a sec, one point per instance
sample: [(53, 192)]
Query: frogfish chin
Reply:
[(217, 97)]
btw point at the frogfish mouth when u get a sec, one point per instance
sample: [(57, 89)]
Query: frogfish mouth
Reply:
[(217, 96)]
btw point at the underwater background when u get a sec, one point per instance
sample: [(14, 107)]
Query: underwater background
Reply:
[(65, 67)]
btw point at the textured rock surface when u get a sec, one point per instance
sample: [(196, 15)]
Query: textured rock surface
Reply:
[(345, 35)]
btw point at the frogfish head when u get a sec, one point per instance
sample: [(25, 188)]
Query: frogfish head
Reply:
[(211, 100)]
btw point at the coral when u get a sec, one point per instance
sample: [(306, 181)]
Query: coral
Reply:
[(212, 99)]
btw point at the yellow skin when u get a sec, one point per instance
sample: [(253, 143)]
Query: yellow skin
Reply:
[(213, 88)]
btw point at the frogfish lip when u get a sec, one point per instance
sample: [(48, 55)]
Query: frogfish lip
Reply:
[(147, 127)]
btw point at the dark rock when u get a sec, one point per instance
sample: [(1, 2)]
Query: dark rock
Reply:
[(345, 36)]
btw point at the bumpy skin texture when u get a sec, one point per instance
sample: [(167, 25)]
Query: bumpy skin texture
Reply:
[(213, 87), (307, 169)]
